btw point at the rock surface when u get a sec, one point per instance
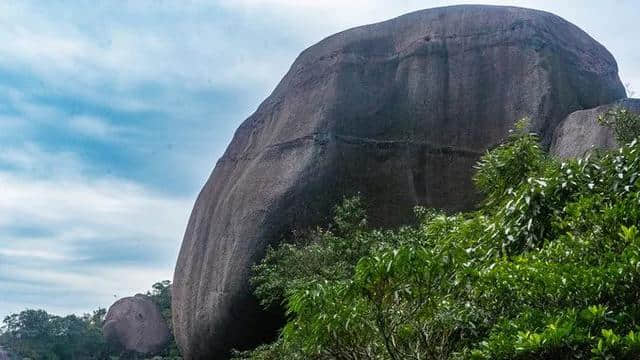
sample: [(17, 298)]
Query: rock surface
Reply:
[(398, 111), (4, 355), (580, 132), (135, 324)]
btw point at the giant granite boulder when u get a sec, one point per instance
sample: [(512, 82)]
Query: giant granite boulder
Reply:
[(398, 111), (580, 132), (136, 324)]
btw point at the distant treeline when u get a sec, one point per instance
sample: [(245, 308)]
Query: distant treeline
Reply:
[(38, 335)]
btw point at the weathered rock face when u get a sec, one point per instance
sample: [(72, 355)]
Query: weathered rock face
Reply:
[(135, 324), (398, 111), (580, 132)]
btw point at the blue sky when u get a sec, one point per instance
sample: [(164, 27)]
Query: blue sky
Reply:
[(112, 115)]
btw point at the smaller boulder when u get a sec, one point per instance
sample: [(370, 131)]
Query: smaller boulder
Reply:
[(579, 133), (4, 355), (136, 324)]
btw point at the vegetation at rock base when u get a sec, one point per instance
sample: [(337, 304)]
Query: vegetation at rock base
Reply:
[(547, 268), (38, 335), (624, 123), (160, 294)]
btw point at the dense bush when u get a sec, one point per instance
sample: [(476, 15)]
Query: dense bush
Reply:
[(547, 268), (624, 123)]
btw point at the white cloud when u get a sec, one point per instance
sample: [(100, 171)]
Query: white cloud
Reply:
[(23, 102), (9, 125), (74, 292), (131, 47), (27, 251), (93, 126), (121, 281), (97, 204), (76, 211), (30, 161)]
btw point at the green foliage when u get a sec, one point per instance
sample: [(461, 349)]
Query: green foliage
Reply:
[(160, 294), (547, 268), (507, 166), (35, 334), (38, 335), (316, 256), (625, 124)]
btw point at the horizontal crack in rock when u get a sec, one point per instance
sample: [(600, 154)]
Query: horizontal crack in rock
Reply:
[(323, 139)]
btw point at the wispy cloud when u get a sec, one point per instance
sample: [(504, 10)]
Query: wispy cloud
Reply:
[(81, 234), (93, 126), (28, 252), (129, 47), (99, 205), (73, 291)]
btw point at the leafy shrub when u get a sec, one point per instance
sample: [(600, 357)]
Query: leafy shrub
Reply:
[(547, 268), (625, 124)]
